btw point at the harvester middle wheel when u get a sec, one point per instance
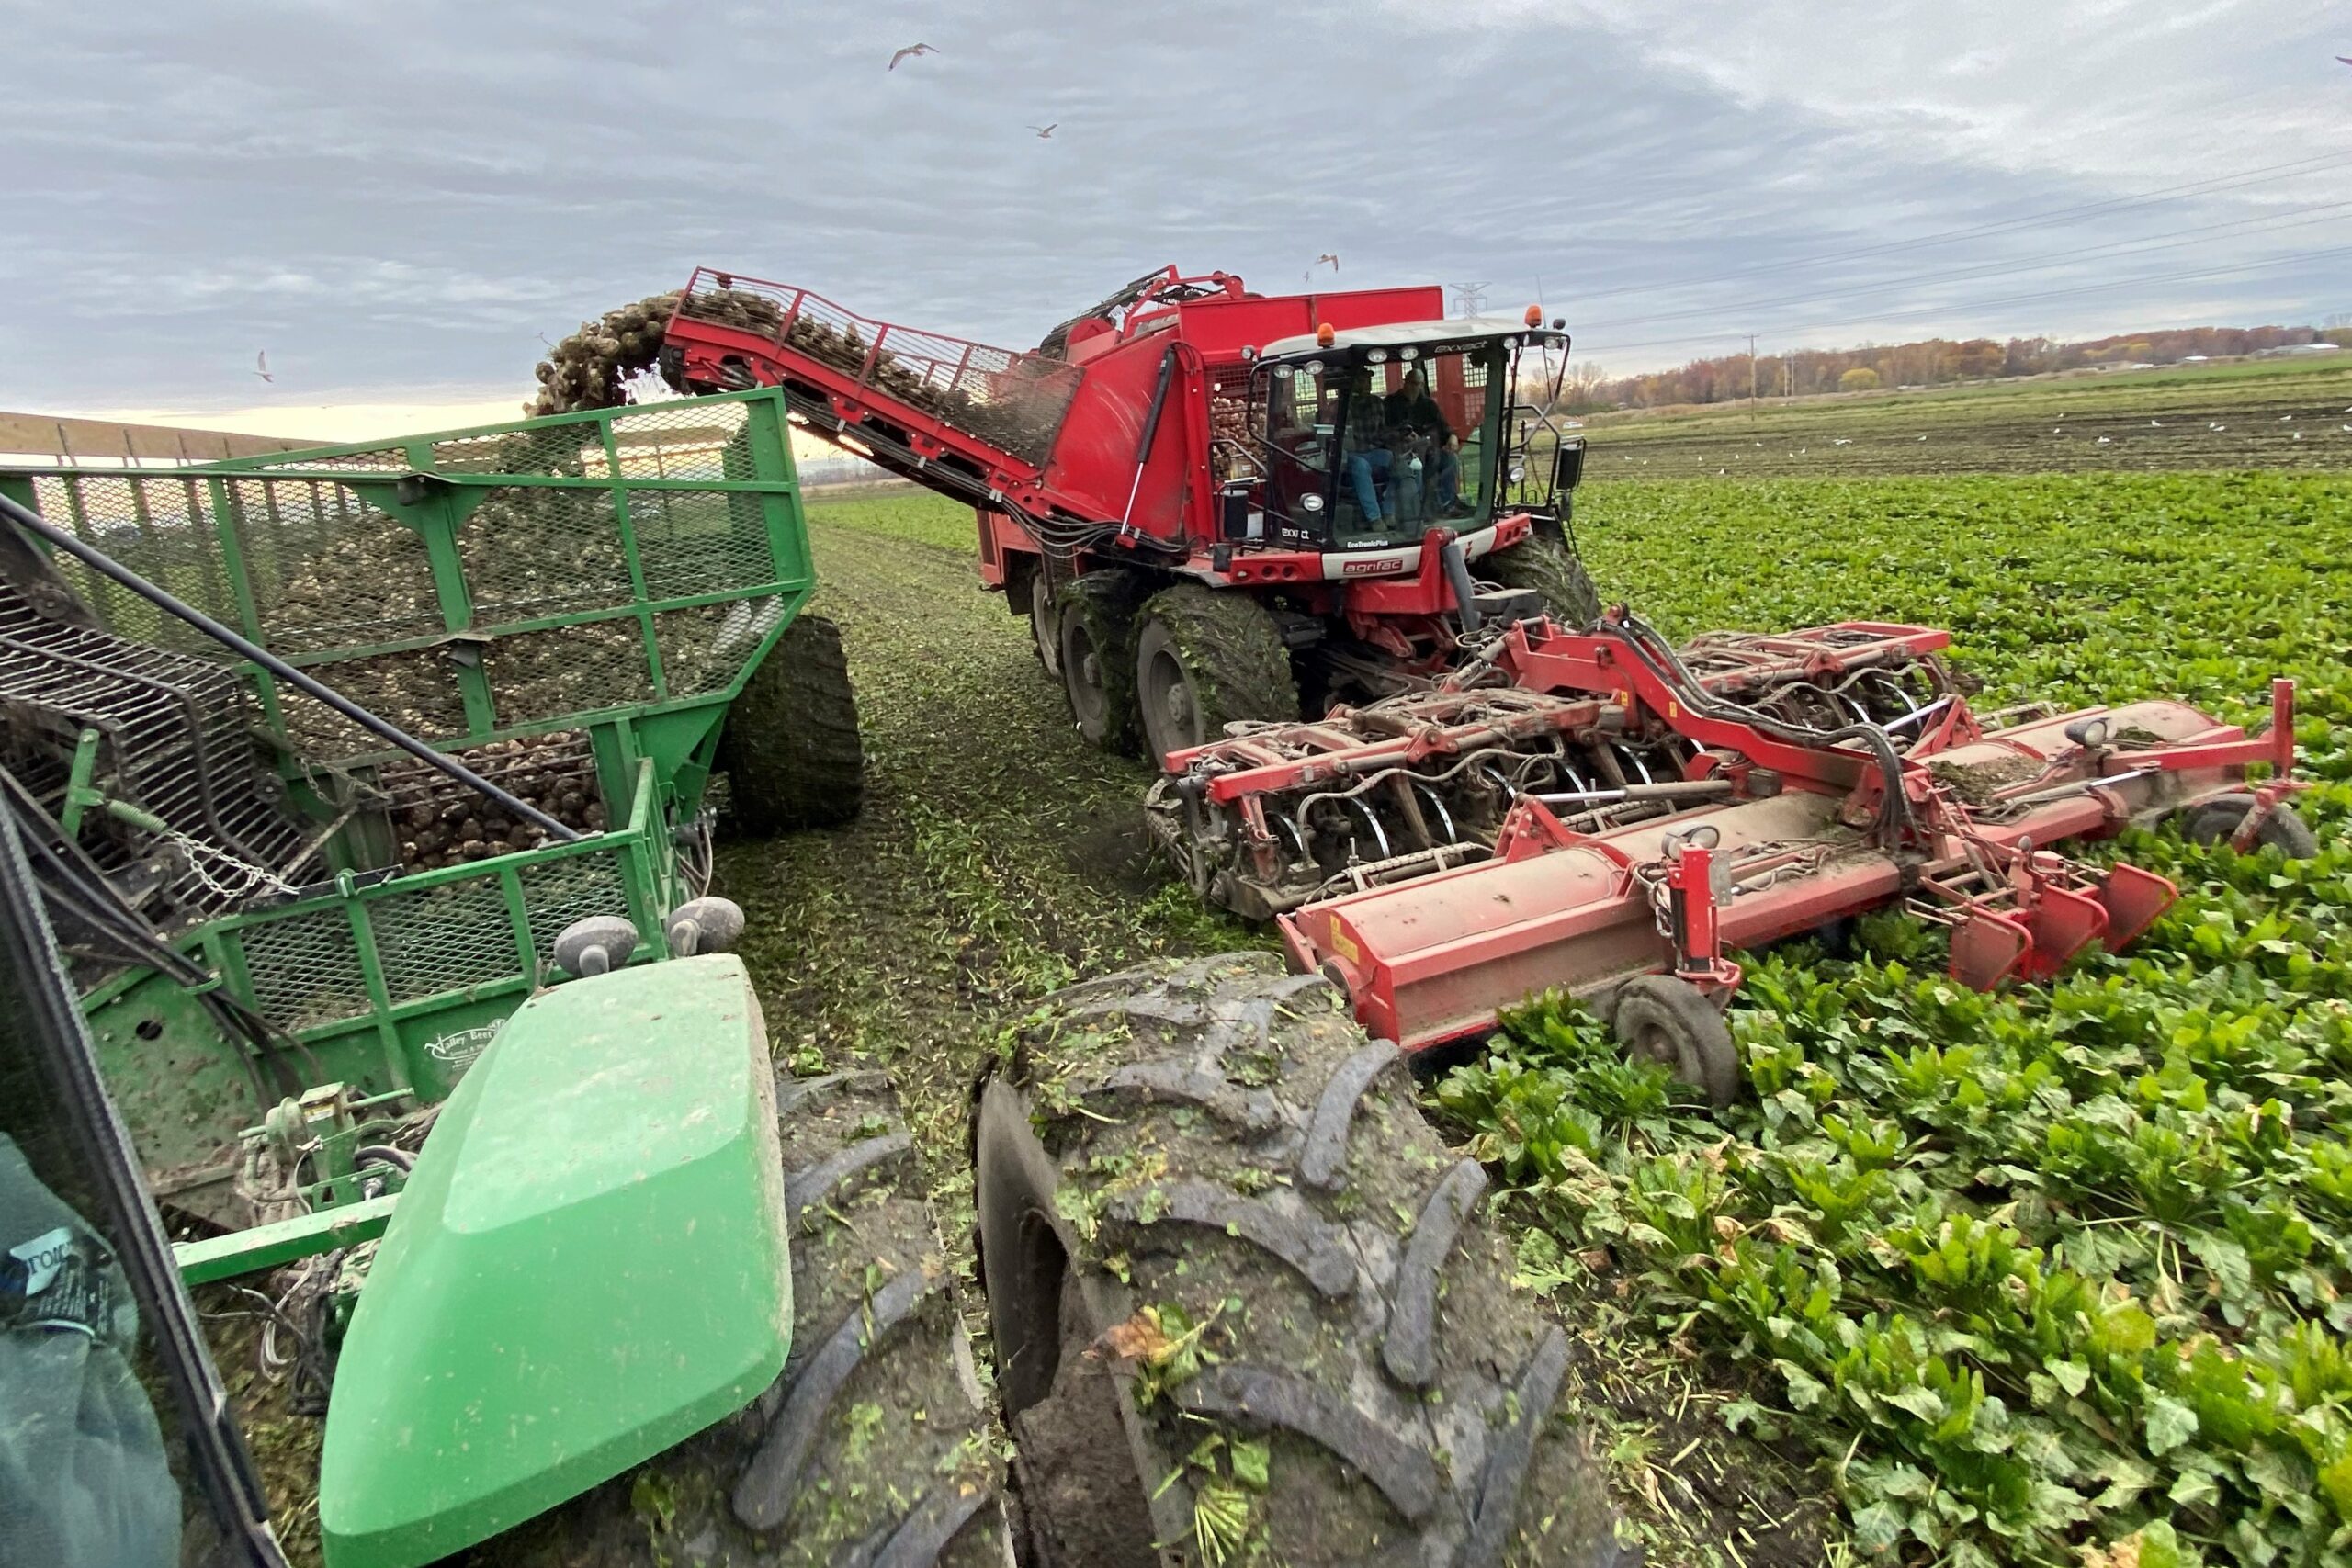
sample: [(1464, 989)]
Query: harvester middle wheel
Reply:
[(791, 749), (1670, 1022), (1097, 615), (2217, 822), (1546, 565), (1248, 1304), (1205, 658)]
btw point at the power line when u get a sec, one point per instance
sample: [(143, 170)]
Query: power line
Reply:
[(2267, 175)]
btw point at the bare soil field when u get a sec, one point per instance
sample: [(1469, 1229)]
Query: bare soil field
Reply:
[(2275, 415)]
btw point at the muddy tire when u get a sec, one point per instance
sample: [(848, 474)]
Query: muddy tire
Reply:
[(1669, 1022), (791, 750), (1096, 635), (1204, 659), (2217, 822), (1045, 630), (875, 1447), (1551, 568), (1233, 1274)]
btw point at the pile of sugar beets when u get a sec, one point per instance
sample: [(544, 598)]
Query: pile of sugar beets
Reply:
[(1013, 401), (440, 826)]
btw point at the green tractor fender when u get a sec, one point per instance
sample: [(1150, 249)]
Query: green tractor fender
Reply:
[(588, 1266)]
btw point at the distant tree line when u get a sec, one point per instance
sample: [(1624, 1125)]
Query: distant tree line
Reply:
[(1930, 362)]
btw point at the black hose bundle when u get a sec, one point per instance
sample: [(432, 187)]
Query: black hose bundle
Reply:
[(1659, 657)]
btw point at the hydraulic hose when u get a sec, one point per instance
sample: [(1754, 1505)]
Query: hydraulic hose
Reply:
[(1660, 659)]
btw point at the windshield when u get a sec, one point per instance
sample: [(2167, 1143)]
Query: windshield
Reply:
[(1389, 448)]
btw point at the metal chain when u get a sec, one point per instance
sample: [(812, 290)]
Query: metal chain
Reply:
[(247, 879)]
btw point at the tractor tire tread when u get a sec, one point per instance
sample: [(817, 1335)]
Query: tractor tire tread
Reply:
[(791, 749), (1707, 1059), (2216, 821), (1112, 1083), (1552, 570), (1103, 603), (1229, 642)]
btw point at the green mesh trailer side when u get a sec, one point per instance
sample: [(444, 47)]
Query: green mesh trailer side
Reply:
[(390, 986), (629, 565)]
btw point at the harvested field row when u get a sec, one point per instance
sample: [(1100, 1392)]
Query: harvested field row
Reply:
[(2235, 417)]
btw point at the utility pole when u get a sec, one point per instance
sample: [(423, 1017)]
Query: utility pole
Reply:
[(1789, 374), (1470, 298), (1752, 376)]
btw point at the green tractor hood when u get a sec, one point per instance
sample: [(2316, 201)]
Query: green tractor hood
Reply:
[(588, 1266)]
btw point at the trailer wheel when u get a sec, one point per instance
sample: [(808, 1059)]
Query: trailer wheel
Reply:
[(1245, 1301), (791, 749), (1043, 631), (1552, 570), (1096, 635), (1670, 1022), (1205, 658), (2217, 822), (875, 1445)]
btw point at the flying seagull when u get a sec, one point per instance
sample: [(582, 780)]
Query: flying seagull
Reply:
[(911, 49), (1044, 131), (2346, 59), (1328, 257), (261, 366)]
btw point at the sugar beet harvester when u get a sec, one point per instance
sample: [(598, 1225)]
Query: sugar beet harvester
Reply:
[(1214, 504), (1236, 531)]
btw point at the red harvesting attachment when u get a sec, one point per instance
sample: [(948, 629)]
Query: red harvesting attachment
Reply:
[(1578, 810)]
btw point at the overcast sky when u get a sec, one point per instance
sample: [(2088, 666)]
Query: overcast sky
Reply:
[(396, 201)]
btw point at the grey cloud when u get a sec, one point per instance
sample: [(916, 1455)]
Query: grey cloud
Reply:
[(390, 197)]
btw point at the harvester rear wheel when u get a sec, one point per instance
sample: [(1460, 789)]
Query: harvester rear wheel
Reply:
[(1045, 627), (1096, 635), (1552, 570), (875, 1445), (2216, 822), (791, 750), (1245, 1302), (1205, 658), (1667, 1021)]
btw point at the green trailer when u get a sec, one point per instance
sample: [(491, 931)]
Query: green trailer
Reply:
[(570, 605)]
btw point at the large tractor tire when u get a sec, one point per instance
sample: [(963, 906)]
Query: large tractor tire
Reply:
[(1205, 658), (1552, 570), (790, 751), (1095, 626), (876, 1447), (1245, 1304)]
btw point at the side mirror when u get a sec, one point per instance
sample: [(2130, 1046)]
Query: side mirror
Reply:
[(1568, 465)]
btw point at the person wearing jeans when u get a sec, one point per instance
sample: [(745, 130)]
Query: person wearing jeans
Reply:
[(1412, 412)]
